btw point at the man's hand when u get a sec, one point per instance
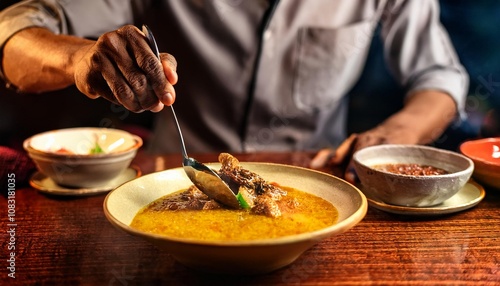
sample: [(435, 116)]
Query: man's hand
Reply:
[(121, 67), (423, 119)]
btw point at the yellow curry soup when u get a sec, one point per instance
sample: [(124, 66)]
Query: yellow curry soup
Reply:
[(309, 213)]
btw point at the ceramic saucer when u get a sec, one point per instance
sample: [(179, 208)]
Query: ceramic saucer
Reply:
[(46, 185), (469, 196)]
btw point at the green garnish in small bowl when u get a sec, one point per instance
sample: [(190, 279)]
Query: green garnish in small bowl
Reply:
[(97, 149)]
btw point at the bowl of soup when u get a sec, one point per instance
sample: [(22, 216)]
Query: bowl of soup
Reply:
[(411, 175), (234, 241), (82, 157)]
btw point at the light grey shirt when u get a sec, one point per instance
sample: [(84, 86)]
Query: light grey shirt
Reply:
[(246, 86)]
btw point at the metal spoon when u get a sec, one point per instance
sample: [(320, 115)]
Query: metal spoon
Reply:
[(203, 177)]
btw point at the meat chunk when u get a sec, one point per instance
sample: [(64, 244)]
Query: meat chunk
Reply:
[(232, 171), (211, 205), (190, 199), (261, 196), (266, 205), (193, 193)]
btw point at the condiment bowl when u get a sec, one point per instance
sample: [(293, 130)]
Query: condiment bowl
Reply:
[(237, 257), (486, 156), (411, 190), (66, 155)]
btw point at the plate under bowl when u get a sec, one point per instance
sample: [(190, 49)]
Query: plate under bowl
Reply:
[(242, 257)]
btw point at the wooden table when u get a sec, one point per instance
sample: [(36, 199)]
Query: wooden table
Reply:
[(68, 241)]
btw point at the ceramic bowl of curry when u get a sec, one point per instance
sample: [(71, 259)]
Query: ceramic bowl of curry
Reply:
[(411, 175), (82, 157), (240, 256)]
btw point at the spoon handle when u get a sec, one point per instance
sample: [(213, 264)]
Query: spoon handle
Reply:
[(181, 138), (154, 47)]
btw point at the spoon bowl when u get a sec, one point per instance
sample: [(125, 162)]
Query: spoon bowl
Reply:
[(209, 182)]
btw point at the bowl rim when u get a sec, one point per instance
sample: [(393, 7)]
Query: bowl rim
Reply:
[(319, 234), (476, 159), (27, 144), (469, 169)]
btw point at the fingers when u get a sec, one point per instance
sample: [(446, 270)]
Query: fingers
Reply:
[(343, 154), (118, 85), (338, 156), (153, 69), (122, 68), (377, 136), (334, 156), (345, 149), (158, 107), (350, 173), (169, 65), (322, 158)]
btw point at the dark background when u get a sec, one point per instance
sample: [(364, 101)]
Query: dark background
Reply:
[(474, 30)]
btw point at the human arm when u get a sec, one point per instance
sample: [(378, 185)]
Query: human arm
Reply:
[(104, 67), (49, 62), (424, 117), (421, 57), (416, 123), (119, 65)]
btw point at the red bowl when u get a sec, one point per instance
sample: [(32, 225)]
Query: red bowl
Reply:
[(485, 153)]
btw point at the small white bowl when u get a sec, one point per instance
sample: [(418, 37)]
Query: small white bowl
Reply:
[(237, 257), (78, 167), (410, 190)]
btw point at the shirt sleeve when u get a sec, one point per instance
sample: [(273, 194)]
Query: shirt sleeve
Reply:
[(419, 51), (81, 18), (28, 14)]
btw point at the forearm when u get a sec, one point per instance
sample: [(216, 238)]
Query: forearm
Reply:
[(36, 60), (423, 119)]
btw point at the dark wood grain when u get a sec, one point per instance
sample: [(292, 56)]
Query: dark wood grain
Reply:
[(68, 241)]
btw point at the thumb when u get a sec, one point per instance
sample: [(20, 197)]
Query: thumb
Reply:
[(322, 158)]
